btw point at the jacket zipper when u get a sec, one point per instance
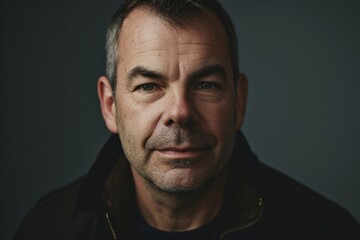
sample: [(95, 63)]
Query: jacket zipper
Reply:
[(244, 226), (111, 226)]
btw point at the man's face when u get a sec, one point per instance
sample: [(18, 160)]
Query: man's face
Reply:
[(176, 106)]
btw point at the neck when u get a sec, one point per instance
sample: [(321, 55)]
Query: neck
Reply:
[(179, 212)]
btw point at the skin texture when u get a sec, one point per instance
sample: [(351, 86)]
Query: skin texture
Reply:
[(176, 109)]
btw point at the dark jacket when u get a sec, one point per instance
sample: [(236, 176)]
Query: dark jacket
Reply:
[(260, 203)]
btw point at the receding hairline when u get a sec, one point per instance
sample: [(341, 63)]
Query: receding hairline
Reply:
[(182, 23), (179, 23), (180, 14)]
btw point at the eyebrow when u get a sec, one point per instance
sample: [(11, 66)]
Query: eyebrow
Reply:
[(207, 71), (201, 73), (144, 72)]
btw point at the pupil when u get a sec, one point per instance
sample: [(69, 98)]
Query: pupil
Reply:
[(205, 85), (148, 87)]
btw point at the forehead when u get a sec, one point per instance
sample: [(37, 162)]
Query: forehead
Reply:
[(143, 14), (148, 40)]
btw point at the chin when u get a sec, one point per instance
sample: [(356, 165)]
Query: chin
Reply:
[(180, 181)]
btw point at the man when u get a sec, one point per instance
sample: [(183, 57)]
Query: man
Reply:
[(177, 166)]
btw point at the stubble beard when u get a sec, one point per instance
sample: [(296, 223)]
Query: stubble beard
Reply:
[(154, 179)]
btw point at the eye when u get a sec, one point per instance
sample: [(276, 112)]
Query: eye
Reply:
[(206, 85), (147, 87)]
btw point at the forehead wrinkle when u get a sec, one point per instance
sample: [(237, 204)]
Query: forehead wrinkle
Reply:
[(147, 42), (152, 52), (204, 48), (207, 43)]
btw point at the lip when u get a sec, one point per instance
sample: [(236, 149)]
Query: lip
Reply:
[(181, 152)]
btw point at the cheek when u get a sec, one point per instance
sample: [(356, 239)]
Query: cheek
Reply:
[(220, 117), (135, 121)]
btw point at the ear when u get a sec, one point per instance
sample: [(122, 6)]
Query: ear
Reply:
[(107, 103), (241, 99)]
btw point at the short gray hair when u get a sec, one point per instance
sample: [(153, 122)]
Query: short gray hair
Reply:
[(174, 11)]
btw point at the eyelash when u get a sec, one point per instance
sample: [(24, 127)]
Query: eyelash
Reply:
[(210, 85), (149, 87), (142, 87)]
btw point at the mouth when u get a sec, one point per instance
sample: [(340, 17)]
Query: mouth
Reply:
[(181, 152)]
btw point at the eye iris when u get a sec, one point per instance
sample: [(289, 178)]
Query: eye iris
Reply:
[(205, 85), (147, 87)]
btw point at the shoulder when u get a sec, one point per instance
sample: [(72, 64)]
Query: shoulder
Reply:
[(62, 197), (295, 207), (51, 217)]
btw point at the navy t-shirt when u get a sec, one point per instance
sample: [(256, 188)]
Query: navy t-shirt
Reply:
[(209, 231)]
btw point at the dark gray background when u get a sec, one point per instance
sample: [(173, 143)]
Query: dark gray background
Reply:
[(302, 60)]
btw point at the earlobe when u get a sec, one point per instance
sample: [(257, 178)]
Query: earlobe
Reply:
[(107, 103), (241, 99)]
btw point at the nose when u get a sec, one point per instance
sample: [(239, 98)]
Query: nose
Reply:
[(179, 110)]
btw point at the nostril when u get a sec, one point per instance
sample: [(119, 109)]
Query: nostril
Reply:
[(169, 123)]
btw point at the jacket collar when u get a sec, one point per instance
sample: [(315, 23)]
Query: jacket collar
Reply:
[(242, 204), (88, 198)]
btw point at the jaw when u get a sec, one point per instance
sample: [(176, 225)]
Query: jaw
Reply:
[(163, 209)]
